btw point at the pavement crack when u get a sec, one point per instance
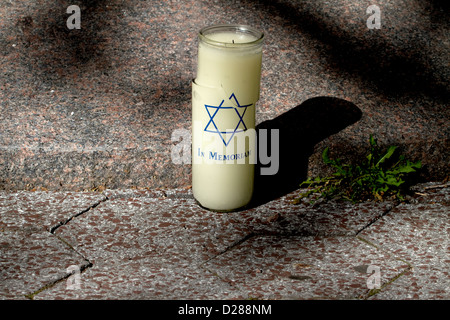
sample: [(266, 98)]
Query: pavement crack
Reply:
[(238, 242), (81, 268), (231, 246), (63, 223), (385, 285), (384, 213), (51, 284)]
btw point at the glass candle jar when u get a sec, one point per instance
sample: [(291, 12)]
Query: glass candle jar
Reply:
[(224, 95)]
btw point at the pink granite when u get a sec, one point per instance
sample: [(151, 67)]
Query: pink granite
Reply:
[(96, 107)]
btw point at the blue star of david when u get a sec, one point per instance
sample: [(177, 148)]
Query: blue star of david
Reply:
[(214, 110)]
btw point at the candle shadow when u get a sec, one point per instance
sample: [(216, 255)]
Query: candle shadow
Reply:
[(300, 129)]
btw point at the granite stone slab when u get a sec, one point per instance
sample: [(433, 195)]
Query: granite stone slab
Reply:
[(144, 277), (303, 267), (33, 260), (159, 244), (418, 234), (43, 210), (96, 107), (162, 221), (31, 256)]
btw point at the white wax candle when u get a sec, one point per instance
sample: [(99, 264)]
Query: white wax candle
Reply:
[(224, 95)]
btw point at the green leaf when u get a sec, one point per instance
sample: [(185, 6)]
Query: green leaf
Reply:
[(417, 165), (368, 179), (325, 156), (372, 141), (394, 181), (387, 155), (405, 169)]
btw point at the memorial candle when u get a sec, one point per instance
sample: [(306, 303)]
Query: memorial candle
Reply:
[(224, 95)]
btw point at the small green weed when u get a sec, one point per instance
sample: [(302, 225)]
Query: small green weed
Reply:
[(382, 175)]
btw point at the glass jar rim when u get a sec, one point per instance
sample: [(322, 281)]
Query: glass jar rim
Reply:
[(245, 29)]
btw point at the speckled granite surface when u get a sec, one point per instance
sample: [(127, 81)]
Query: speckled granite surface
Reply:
[(147, 244), (96, 107)]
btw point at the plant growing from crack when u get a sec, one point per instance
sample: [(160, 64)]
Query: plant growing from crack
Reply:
[(381, 175)]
